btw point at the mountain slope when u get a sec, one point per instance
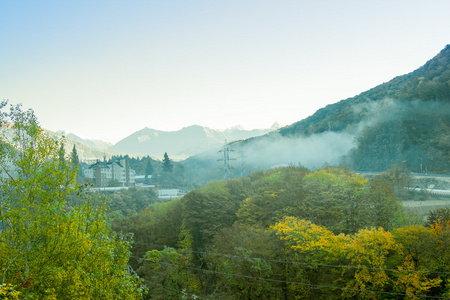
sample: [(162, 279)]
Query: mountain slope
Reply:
[(405, 122), (84, 152), (97, 144), (182, 143), (428, 83)]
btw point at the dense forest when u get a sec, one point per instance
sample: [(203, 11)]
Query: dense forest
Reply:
[(290, 233)]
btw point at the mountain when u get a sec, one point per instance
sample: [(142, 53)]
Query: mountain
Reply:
[(85, 152), (182, 143), (97, 144), (404, 122)]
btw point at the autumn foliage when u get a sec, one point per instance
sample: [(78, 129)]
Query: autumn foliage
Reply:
[(48, 249), (290, 233)]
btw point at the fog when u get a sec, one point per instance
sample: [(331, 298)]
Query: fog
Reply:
[(312, 152), (329, 148), (318, 150)]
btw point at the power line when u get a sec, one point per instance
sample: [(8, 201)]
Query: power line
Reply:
[(315, 286), (179, 291), (300, 263)]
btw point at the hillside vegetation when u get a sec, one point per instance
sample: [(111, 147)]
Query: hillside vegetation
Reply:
[(290, 233), (51, 248), (405, 121)]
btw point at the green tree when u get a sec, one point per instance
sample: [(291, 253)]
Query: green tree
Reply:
[(76, 163), (248, 250), (273, 194), (168, 274), (62, 153), (440, 214), (148, 169), (74, 157), (167, 164), (158, 224), (47, 249), (383, 204)]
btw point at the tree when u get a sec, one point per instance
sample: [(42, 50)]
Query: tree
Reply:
[(249, 250), (74, 157), (440, 214), (167, 165), (62, 154), (148, 169), (76, 162), (367, 264), (168, 274), (49, 250), (315, 245), (383, 204)]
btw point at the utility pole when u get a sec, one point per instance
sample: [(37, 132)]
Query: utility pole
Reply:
[(226, 159)]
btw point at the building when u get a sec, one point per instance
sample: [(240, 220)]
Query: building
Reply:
[(170, 194), (116, 173), (144, 180)]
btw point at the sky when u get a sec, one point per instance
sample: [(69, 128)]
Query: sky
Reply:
[(105, 69)]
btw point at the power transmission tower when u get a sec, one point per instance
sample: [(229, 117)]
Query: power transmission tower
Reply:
[(242, 162), (226, 159)]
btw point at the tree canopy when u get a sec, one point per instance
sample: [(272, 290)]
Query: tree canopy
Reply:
[(48, 249), (167, 165)]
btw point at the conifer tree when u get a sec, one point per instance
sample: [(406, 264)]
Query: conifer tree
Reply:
[(76, 162), (167, 165), (74, 157), (148, 169)]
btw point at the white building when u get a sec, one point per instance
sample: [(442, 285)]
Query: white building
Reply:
[(107, 173)]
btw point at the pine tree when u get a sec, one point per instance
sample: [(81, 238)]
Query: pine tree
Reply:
[(74, 156), (76, 162), (148, 169), (167, 165)]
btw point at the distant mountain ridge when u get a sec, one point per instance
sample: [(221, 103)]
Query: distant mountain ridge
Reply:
[(182, 143), (84, 150), (97, 144)]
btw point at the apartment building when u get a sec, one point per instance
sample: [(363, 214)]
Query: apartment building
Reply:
[(106, 174)]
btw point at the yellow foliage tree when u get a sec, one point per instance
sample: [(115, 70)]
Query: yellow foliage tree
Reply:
[(314, 246), (367, 265), (49, 250)]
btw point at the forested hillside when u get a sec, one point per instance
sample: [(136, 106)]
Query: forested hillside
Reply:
[(402, 122), (429, 83), (289, 233), (405, 121)]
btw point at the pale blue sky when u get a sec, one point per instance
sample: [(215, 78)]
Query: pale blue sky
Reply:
[(104, 69)]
